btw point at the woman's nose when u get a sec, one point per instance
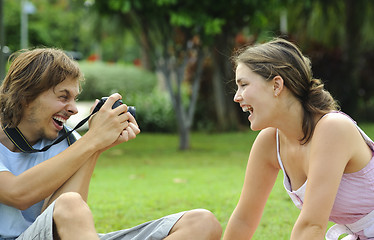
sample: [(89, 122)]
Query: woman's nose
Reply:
[(237, 97)]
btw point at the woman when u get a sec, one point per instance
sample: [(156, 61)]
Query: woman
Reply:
[(326, 159)]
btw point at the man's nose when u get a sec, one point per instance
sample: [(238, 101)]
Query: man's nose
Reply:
[(72, 107)]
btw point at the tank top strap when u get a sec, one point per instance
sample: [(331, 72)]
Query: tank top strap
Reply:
[(278, 152)]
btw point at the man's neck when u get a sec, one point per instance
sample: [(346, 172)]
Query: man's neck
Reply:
[(7, 142)]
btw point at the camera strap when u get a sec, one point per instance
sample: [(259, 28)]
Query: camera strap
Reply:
[(19, 140)]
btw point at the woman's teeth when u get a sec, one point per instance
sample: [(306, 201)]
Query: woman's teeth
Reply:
[(248, 109)]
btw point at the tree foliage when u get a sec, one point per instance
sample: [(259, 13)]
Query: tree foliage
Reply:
[(183, 39), (338, 35), (54, 23), (176, 36)]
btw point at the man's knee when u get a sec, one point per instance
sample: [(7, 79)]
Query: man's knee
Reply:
[(202, 222), (206, 220), (72, 217), (70, 206)]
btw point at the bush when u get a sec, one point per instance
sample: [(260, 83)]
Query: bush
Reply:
[(138, 87), (154, 111), (103, 79)]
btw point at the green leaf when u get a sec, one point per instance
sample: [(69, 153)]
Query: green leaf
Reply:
[(181, 19), (214, 26)]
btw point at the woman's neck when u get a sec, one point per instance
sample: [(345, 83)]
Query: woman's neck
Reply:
[(290, 122)]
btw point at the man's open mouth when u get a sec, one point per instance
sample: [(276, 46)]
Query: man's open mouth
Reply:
[(59, 120)]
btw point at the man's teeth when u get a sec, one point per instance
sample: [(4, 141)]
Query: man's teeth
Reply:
[(60, 119)]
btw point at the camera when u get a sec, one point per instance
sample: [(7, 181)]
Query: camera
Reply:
[(130, 109)]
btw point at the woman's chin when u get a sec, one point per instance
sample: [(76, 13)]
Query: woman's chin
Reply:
[(256, 127)]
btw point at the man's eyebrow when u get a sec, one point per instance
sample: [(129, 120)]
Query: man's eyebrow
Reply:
[(67, 92)]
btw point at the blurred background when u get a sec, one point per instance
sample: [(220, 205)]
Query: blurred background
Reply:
[(171, 58)]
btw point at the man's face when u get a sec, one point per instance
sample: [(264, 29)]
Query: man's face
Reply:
[(44, 117)]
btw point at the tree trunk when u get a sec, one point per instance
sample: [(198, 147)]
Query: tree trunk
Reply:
[(173, 72), (146, 59), (184, 137), (353, 52), (223, 74)]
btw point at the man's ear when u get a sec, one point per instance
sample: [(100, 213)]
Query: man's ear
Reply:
[(278, 85)]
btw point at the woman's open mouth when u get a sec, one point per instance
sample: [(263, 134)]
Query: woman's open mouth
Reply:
[(248, 109)]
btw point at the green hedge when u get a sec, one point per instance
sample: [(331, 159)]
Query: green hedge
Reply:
[(102, 79), (154, 112), (137, 86)]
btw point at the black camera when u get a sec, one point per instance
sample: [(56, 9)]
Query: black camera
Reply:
[(130, 109)]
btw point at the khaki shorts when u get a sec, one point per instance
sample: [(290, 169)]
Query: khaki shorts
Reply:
[(42, 229)]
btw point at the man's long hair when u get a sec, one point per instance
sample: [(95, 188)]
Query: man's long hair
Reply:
[(31, 73)]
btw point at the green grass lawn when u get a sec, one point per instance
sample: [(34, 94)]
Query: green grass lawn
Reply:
[(148, 178)]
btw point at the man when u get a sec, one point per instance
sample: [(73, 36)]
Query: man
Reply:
[(43, 194)]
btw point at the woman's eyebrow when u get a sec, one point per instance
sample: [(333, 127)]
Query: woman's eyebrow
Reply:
[(238, 81)]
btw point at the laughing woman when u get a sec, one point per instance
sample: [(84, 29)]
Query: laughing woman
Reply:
[(326, 159)]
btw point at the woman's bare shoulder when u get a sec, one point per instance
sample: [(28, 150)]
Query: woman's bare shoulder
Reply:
[(337, 124), (265, 146), (267, 136)]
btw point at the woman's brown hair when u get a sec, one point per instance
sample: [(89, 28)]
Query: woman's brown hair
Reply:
[(280, 57)]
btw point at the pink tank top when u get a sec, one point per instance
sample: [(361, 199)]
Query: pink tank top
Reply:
[(355, 197)]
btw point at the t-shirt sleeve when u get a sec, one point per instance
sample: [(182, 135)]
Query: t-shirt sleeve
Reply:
[(2, 167)]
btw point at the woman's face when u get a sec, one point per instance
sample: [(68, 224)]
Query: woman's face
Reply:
[(256, 96)]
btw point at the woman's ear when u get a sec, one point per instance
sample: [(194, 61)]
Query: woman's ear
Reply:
[(278, 84)]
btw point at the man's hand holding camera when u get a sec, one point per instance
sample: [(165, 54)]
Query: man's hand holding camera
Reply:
[(112, 124)]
